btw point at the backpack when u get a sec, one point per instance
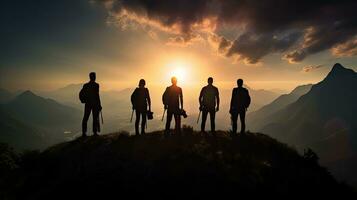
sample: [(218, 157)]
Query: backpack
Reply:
[(83, 97), (165, 98), (134, 97)]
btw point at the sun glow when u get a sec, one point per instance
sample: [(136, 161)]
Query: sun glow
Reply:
[(179, 73), (180, 70)]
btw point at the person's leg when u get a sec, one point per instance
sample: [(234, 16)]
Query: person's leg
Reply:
[(168, 122), (234, 118), (212, 118), (137, 120), (85, 120), (204, 118), (96, 125), (242, 121), (143, 122), (177, 123)]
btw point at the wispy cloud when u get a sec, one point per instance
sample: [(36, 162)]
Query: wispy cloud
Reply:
[(311, 68), (346, 49)]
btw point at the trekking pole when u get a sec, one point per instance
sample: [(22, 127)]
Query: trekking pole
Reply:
[(132, 113), (101, 115), (163, 115), (199, 115)]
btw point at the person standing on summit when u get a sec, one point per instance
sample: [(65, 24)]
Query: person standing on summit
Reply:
[(239, 103), (209, 103), (140, 100), (173, 102), (89, 95)]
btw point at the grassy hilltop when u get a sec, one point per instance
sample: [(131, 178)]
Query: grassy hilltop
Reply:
[(187, 166)]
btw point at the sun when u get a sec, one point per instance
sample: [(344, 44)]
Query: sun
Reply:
[(179, 73), (178, 69)]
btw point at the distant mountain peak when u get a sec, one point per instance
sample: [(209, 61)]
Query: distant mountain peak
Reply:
[(338, 68), (339, 71), (338, 65), (27, 93), (26, 96)]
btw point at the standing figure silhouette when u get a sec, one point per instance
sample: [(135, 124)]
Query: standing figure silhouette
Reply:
[(239, 103), (173, 102), (140, 100), (89, 95), (209, 103)]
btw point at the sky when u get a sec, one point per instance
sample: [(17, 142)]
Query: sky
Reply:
[(271, 44)]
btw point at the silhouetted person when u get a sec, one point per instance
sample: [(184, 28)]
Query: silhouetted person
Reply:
[(140, 100), (239, 103), (173, 102), (90, 96), (209, 103)]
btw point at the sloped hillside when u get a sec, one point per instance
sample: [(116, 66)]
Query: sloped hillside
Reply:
[(172, 167), (20, 135), (326, 112), (29, 121), (258, 118), (45, 113)]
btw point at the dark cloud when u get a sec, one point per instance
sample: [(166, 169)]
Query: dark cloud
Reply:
[(268, 26), (224, 44), (180, 15), (251, 47), (220, 43)]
